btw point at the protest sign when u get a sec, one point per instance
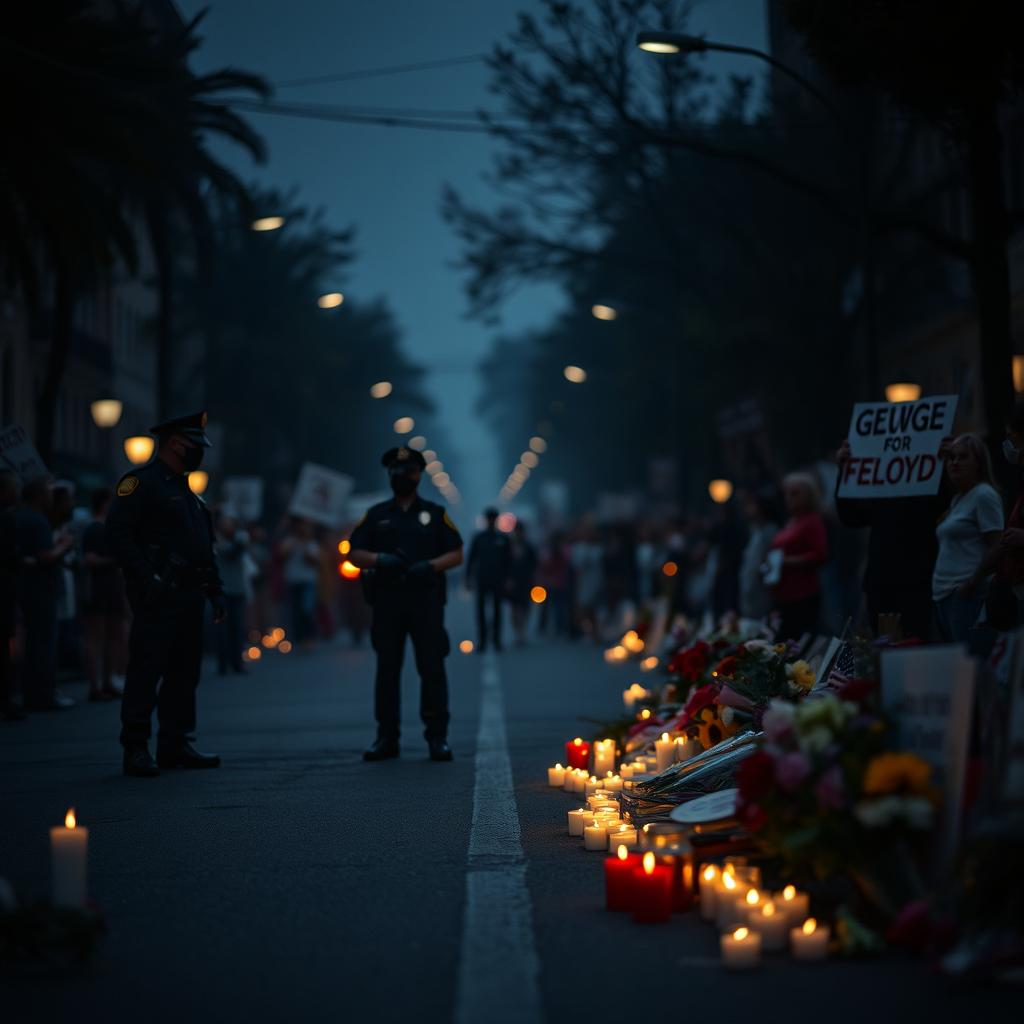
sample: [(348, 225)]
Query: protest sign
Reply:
[(894, 448), (18, 454), (243, 497), (930, 691), (321, 495)]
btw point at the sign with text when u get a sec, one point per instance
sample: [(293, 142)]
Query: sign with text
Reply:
[(18, 454), (321, 495), (894, 448)]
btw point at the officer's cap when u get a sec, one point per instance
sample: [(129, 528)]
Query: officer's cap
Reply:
[(192, 426), (403, 457), (490, 512)]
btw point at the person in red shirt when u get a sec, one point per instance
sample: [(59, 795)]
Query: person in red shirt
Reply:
[(804, 546)]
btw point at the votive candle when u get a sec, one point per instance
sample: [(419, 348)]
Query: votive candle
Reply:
[(69, 850), (809, 941), (741, 949), (771, 924), (556, 776)]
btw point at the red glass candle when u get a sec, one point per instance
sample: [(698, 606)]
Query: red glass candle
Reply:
[(577, 753), (618, 879), (652, 891), (681, 866)]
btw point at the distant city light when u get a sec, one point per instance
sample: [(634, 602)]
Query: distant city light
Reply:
[(670, 568), (331, 300), (267, 223), (381, 389), (106, 412), (602, 312), (440, 479), (404, 425), (530, 460), (506, 522), (538, 445), (720, 491), (429, 456), (419, 442), (435, 466), (198, 480), (349, 570), (538, 595), (466, 646), (575, 374), (139, 449), (902, 392), (344, 547)]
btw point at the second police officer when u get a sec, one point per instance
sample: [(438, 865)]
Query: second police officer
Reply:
[(405, 546), (162, 536)]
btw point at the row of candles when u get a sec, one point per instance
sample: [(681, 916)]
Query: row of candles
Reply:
[(653, 883)]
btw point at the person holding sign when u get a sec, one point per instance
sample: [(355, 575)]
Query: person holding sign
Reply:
[(968, 535)]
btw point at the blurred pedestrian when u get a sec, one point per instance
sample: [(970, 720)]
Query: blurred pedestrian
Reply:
[(803, 550), (232, 548), (522, 569), (1004, 606), (104, 605), (968, 536), (39, 588), (554, 573), (762, 526), (487, 570), (727, 538), (300, 554), (586, 554), (9, 709)]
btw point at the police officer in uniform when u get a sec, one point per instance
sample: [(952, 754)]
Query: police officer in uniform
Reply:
[(162, 536), (404, 547)]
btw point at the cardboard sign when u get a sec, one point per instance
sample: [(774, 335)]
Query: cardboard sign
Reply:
[(18, 454), (321, 495), (243, 497), (895, 448), (930, 690)]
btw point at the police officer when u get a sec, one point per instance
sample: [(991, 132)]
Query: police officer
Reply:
[(405, 546), (162, 536), (487, 570)]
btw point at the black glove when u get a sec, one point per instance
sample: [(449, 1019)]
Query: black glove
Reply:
[(421, 570), (219, 606), (388, 563)]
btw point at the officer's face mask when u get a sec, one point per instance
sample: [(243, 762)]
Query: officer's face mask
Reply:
[(191, 457), (403, 482), (1011, 452)]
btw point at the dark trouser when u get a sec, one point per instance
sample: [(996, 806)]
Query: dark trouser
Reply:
[(799, 617), (302, 600), (229, 639), (40, 673), (423, 621), (166, 643), (912, 604), (483, 595)]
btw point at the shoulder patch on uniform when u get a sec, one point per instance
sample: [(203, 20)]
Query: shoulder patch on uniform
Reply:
[(448, 522), (127, 486)]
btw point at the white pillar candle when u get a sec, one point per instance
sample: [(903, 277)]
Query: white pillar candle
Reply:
[(556, 776), (579, 781), (708, 882), (612, 783), (665, 749), (567, 785), (69, 849), (727, 914), (741, 949), (622, 836), (750, 900), (771, 924), (793, 903), (595, 837), (809, 941), (686, 748), (593, 784), (576, 821), (625, 772), (604, 756)]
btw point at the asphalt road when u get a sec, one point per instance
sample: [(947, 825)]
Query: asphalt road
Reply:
[(298, 883)]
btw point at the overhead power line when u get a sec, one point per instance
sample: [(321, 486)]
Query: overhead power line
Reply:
[(395, 69)]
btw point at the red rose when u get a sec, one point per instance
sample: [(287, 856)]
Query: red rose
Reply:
[(756, 777), (727, 666)]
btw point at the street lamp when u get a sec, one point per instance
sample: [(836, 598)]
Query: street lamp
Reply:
[(404, 425), (575, 374), (139, 449), (381, 389), (530, 460), (198, 480), (538, 445), (331, 300), (419, 442), (267, 223), (602, 312), (720, 491), (902, 392), (106, 412)]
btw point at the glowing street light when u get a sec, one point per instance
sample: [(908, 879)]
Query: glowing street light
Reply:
[(419, 442), (429, 456), (106, 412), (404, 425), (332, 300), (902, 392), (435, 466), (440, 479), (530, 460), (139, 449), (198, 481), (381, 389), (575, 374), (538, 445), (267, 223), (720, 491), (602, 312)]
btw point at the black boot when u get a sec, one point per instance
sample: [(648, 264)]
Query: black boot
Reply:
[(439, 749), (138, 764), (381, 750), (184, 755)]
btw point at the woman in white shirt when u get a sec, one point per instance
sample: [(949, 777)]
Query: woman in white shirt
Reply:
[(967, 535)]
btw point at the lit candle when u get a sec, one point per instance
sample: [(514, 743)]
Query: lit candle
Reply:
[(752, 900), (622, 835), (809, 941), (576, 821), (771, 924), (604, 757), (69, 848), (595, 837), (593, 784), (686, 748), (665, 748), (652, 891), (556, 776), (727, 914), (793, 904), (577, 753), (569, 780), (741, 949), (579, 781), (612, 783), (709, 877), (596, 802), (618, 878), (626, 772)]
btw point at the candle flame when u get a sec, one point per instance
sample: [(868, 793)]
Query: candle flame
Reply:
[(664, 737), (649, 863), (577, 742), (646, 713), (710, 872), (622, 853), (753, 896), (789, 892), (740, 934), (768, 909), (69, 818), (809, 926), (728, 881), (558, 767)]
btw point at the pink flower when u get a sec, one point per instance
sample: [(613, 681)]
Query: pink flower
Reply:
[(829, 790), (778, 722), (791, 770), (728, 697)]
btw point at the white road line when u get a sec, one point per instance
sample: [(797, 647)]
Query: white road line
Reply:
[(498, 966)]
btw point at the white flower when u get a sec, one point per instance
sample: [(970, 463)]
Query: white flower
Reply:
[(727, 715), (877, 813)]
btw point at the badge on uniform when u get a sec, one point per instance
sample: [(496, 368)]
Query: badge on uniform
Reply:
[(127, 486), (425, 517)]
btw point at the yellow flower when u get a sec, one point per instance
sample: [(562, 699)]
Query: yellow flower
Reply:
[(802, 675), (896, 773)]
